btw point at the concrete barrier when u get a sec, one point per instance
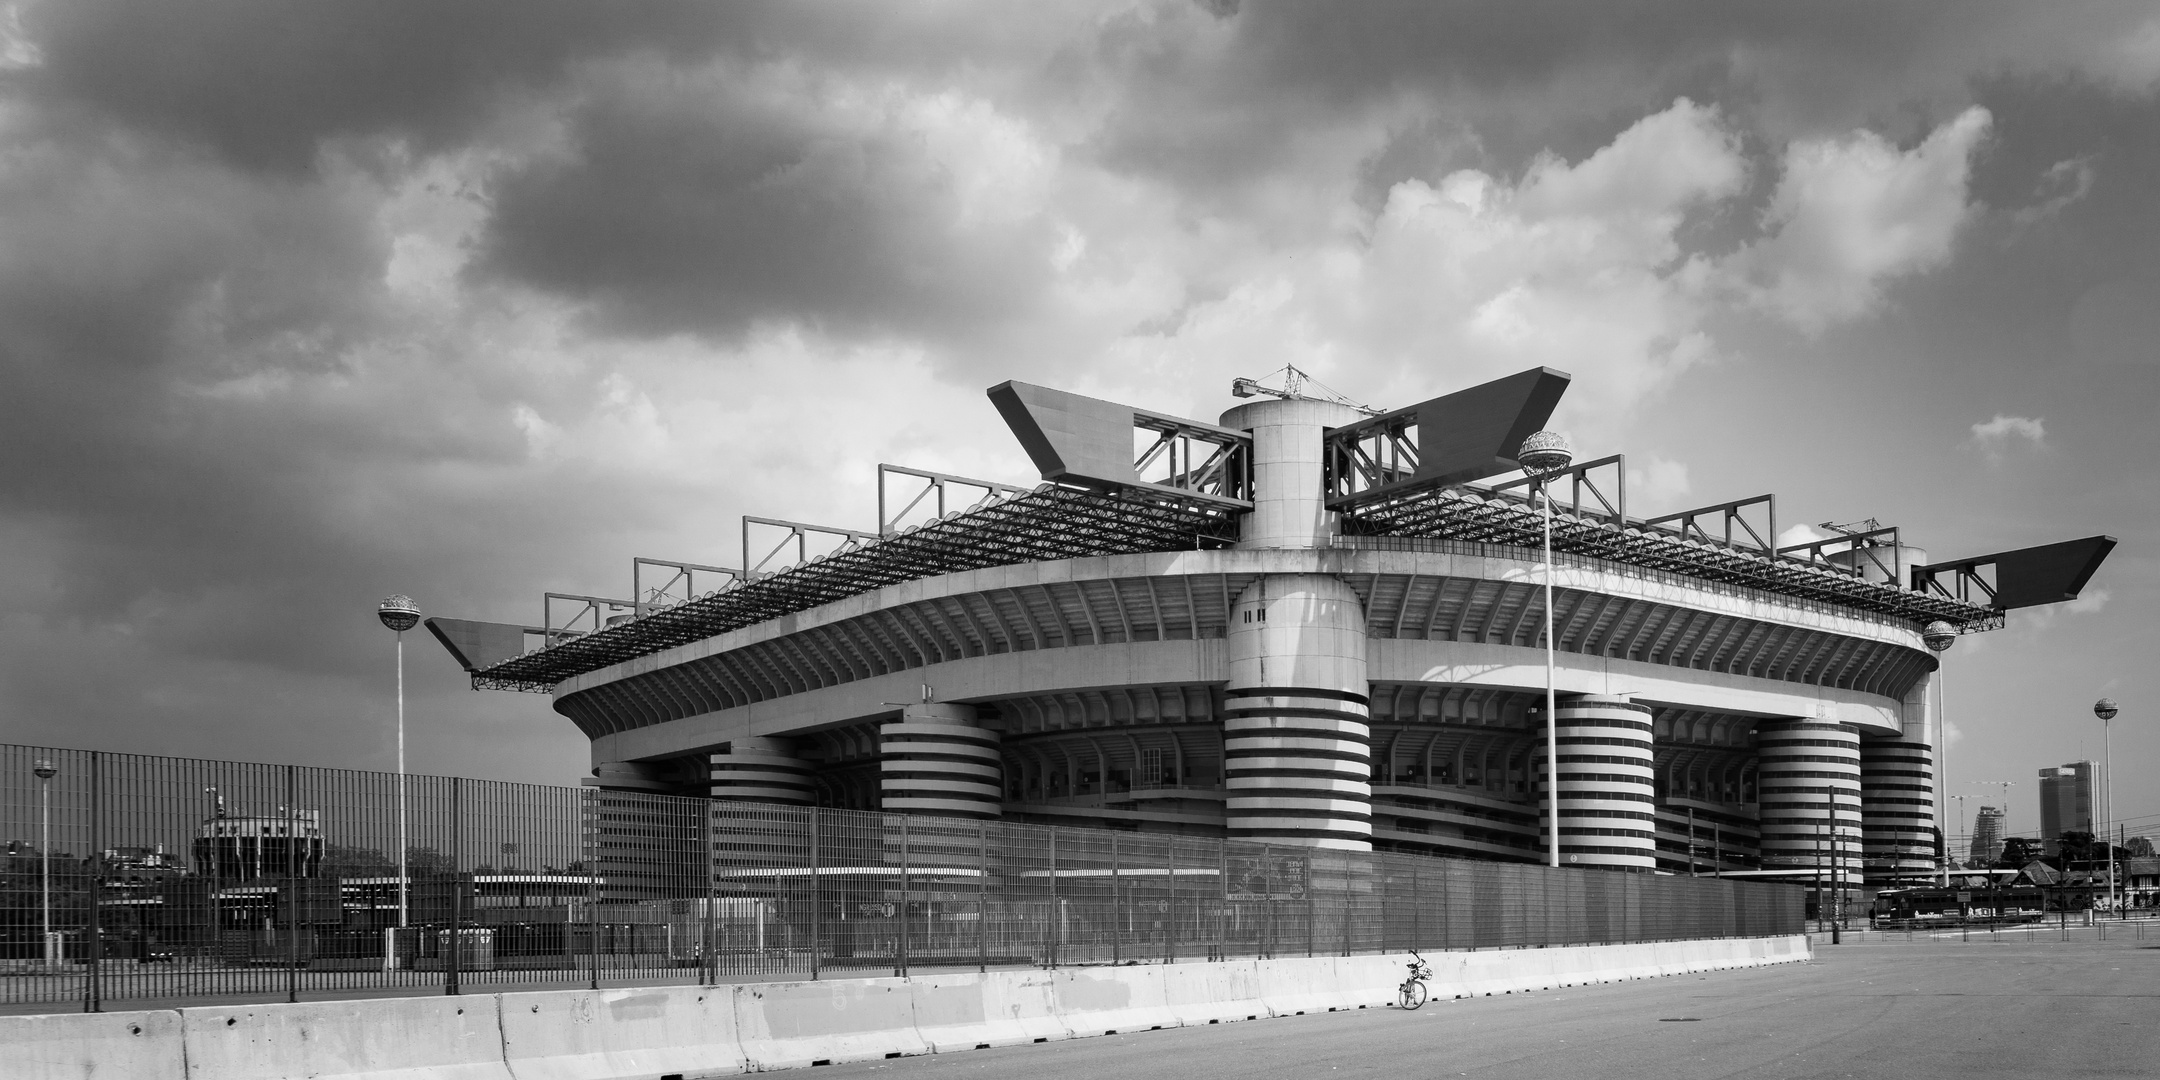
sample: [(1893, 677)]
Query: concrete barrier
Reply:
[(789, 1025), (682, 1031), (715, 1031), (1213, 993), (78, 1046), (1112, 1000), (449, 1038)]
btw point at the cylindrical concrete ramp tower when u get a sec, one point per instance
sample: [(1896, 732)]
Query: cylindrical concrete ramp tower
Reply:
[(938, 761), (760, 770), (1296, 729), (1808, 783), (1607, 793), (1897, 809)]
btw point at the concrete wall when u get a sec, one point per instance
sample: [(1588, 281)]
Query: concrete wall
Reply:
[(690, 1031)]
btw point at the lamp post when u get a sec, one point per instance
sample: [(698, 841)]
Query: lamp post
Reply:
[(1543, 454), (2105, 709), (45, 771), (400, 614), (1938, 636)]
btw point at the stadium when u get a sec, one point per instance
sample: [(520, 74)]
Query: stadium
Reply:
[(1307, 623)]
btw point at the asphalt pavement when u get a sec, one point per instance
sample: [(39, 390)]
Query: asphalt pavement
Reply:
[(1911, 1012)]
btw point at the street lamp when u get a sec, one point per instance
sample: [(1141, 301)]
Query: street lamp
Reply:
[(1938, 636), (400, 614), (45, 771), (2105, 709), (1542, 455)]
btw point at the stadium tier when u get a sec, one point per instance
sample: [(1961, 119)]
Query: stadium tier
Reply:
[(1306, 624)]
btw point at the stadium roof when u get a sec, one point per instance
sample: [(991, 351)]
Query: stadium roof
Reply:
[(1053, 522), (1047, 523)]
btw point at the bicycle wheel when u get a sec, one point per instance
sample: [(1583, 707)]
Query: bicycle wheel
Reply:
[(1413, 994)]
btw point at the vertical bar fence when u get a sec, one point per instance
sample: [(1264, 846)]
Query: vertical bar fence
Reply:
[(172, 880)]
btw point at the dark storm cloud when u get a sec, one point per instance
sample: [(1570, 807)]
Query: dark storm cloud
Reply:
[(262, 84), (698, 203)]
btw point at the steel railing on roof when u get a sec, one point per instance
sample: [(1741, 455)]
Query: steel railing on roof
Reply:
[(1488, 518), (1048, 523)]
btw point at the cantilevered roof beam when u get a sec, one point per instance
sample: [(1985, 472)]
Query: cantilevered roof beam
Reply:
[(1467, 435), (1104, 446), (2027, 577)]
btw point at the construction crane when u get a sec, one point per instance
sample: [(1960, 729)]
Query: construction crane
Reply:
[(1293, 388), (2005, 785)]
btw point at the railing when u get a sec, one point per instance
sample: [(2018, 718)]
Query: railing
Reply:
[(193, 879)]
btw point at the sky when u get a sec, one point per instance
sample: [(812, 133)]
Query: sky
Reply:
[(302, 305)]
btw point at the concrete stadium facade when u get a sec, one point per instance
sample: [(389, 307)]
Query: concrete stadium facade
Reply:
[(1300, 684)]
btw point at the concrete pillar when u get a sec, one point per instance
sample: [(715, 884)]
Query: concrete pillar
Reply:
[(1807, 779), (761, 770), (1296, 728), (938, 761), (1897, 809), (1607, 778), (1288, 501)]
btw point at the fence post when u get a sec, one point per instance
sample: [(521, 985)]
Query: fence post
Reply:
[(292, 889), (1222, 908), (457, 887), (709, 951), (1054, 913), (1169, 936), (901, 969), (1417, 909), (816, 906), (93, 992), (1117, 906), (592, 882), (1309, 894), (982, 902)]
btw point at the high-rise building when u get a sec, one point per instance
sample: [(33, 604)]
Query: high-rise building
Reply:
[(1987, 835), (2065, 800)]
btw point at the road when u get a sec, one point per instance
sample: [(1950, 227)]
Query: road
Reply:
[(1909, 1012)]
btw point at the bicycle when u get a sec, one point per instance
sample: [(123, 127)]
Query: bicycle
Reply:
[(1412, 993)]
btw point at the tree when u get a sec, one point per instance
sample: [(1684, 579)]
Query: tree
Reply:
[(2018, 852)]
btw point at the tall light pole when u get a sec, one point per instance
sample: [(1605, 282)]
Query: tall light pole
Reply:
[(2105, 709), (400, 614), (45, 771), (1939, 636), (1543, 454)]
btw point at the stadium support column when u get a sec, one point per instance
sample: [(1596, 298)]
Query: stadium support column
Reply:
[(1607, 788), (1296, 728), (937, 760), (761, 770), (1297, 757), (1808, 785), (1897, 809)]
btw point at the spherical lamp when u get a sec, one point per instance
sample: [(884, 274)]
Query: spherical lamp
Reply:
[(45, 769), (399, 613), (1938, 636), (2105, 708), (1544, 453)]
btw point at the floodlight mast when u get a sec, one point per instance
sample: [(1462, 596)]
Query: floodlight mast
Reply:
[(400, 614), (2105, 709), (1938, 636), (1545, 454)]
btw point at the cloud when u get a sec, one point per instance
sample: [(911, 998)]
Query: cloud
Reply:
[(1657, 484), (2064, 183), (1997, 437), (2092, 600), (1851, 214)]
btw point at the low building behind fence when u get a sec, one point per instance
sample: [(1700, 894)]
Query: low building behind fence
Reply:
[(196, 879)]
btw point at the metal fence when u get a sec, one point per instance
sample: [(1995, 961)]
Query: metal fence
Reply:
[(136, 878)]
